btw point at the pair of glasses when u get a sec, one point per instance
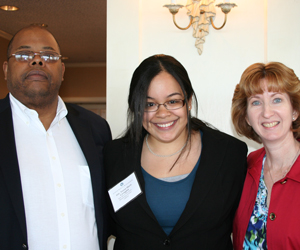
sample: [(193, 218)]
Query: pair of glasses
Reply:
[(27, 56), (169, 105)]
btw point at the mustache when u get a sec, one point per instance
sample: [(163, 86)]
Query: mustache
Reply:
[(36, 72)]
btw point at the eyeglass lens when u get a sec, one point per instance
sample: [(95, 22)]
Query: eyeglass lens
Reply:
[(46, 56), (169, 105)]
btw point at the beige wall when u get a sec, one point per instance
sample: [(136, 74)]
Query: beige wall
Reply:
[(84, 82)]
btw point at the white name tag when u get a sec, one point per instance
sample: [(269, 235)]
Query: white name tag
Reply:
[(124, 192)]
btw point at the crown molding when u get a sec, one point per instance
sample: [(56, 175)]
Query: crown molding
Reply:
[(5, 35), (84, 65), (85, 100)]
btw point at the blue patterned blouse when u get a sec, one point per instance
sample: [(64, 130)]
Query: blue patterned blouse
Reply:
[(255, 238)]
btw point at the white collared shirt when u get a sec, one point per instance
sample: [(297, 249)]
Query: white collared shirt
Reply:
[(56, 182)]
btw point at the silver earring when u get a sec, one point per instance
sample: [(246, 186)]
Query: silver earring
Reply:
[(294, 118)]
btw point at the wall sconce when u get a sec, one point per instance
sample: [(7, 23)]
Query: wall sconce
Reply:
[(202, 14)]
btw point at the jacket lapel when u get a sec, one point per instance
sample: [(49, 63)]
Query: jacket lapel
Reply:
[(84, 136), (255, 165), (9, 162), (135, 165), (208, 169)]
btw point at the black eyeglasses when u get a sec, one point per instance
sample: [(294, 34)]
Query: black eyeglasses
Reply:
[(27, 56), (169, 105)]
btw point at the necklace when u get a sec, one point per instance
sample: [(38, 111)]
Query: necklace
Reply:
[(288, 169), (163, 155)]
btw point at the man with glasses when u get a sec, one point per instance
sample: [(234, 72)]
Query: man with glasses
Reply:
[(52, 193)]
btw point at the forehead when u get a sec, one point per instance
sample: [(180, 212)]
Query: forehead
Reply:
[(164, 83), (35, 39)]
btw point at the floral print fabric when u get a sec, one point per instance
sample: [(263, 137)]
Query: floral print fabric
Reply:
[(255, 238)]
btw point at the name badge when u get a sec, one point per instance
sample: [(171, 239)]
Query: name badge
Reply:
[(124, 192)]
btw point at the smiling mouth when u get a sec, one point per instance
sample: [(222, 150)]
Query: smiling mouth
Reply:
[(165, 125), (270, 125)]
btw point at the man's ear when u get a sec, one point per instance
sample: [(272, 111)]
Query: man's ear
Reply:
[(5, 66), (62, 71)]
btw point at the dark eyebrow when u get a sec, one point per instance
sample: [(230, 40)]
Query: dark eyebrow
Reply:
[(23, 47), (29, 47), (149, 97), (174, 94), (48, 48)]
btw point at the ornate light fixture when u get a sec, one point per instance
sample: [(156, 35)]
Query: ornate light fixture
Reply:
[(201, 13)]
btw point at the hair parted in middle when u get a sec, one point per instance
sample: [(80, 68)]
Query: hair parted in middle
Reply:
[(139, 86), (279, 78)]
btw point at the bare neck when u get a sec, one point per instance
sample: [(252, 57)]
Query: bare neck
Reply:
[(282, 155), (46, 117), (46, 113)]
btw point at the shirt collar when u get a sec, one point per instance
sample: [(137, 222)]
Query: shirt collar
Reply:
[(61, 111), (294, 172), (27, 114), (255, 165)]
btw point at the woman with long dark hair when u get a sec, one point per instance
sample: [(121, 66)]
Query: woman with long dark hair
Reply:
[(190, 175)]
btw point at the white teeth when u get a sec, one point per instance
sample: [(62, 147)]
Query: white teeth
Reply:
[(270, 125), (165, 125)]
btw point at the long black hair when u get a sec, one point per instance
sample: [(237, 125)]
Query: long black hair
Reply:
[(139, 86)]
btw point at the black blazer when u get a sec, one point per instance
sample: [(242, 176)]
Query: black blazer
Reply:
[(206, 222), (91, 131)]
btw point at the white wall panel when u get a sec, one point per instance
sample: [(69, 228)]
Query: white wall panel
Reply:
[(138, 29), (283, 33)]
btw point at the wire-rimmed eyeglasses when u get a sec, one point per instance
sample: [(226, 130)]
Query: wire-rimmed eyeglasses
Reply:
[(169, 105), (27, 56)]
